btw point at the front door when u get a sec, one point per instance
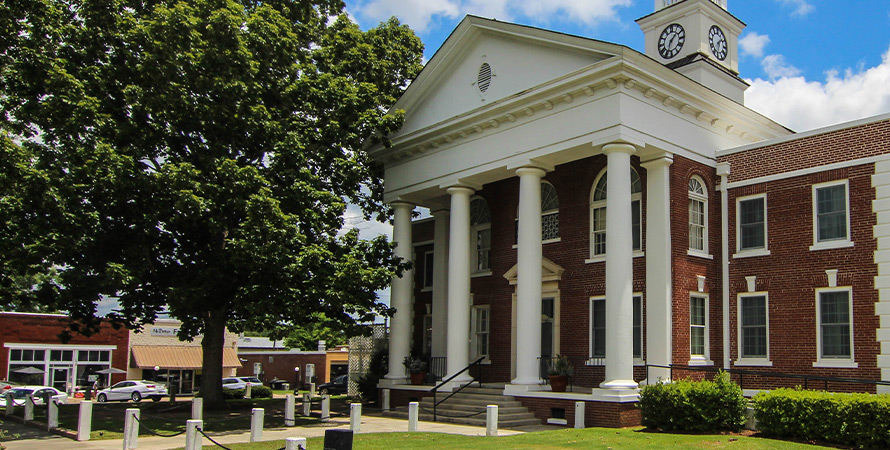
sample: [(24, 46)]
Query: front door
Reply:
[(59, 377)]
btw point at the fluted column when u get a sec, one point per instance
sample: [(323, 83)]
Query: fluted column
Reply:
[(458, 351), (658, 263), (440, 282), (400, 293), (619, 270), (528, 277)]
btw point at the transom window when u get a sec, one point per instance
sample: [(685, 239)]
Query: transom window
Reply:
[(480, 224), (598, 213), (698, 216), (549, 212)]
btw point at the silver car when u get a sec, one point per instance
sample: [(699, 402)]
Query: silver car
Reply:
[(20, 393), (133, 390)]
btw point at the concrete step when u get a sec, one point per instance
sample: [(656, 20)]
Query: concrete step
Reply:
[(504, 421)]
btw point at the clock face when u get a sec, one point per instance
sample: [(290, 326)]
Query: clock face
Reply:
[(718, 42), (671, 41)]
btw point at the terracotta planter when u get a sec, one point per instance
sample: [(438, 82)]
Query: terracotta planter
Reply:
[(558, 383), (417, 378)]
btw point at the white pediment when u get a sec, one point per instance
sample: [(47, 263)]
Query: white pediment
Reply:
[(550, 271), (519, 59)]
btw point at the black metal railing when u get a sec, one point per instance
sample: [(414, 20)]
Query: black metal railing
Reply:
[(763, 374), (435, 390), (437, 369)]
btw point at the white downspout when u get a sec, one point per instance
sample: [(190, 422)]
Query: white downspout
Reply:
[(723, 173)]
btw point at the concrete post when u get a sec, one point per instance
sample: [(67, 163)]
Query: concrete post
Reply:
[(491, 420), (247, 391), (198, 408), (386, 394), (52, 413), (307, 404), (256, 424), (10, 404), (84, 420), (579, 414), (325, 408), (413, 409), (29, 408), (131, 429), (290, 403), (193, 439), (295, 443), (355, 417), (312, 389)]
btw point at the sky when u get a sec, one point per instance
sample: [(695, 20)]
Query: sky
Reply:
[(810, 63)]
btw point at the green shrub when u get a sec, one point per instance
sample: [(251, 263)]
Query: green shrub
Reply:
[(233, 393), (260, 392), (688, 405), (848, 419)]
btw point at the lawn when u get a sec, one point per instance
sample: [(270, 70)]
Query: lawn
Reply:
[(596, 438)]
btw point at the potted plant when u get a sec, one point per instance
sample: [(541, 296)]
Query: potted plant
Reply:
[(416, 368), (560, 371)]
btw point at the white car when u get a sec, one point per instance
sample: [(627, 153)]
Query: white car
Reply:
[(240, 382), (132, 390), (20, 393)]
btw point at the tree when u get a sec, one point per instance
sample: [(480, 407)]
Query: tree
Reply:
[(195, 158), (305, 335)]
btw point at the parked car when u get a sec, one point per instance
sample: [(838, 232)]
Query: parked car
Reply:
[(134, 390), (339, 385), (20, 393), (4, 385), (240, 382)]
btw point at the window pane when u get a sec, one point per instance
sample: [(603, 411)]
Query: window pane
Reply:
[(638, 327), (751, 224), (483, 247), (834, 310), (635, 224), (696, 225), (549, 199), (549, 226), (697, 322), (831, 204), (598, 334), (599, 231)]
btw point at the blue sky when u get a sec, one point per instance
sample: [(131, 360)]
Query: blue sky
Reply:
[(810, 63)]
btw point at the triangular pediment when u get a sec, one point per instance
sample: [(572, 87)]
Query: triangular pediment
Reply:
[(454, 81), (550, 271)]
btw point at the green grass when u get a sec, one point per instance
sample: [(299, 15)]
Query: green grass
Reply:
[(590, 438)]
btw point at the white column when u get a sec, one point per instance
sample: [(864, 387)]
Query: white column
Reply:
[(458, 351), (440, 282), (658, 263), (256, 424), (84, 420), (619, 270), (400, 294), (528, 278)]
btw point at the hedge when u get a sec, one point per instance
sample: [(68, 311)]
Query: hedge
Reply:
[(688, 405), (858, 420)]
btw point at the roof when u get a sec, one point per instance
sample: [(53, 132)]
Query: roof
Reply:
[(175, 357)]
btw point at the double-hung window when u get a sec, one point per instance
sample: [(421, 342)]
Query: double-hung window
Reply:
[(753, 329), (698, 217), (699, 348), (480, 331), (834, 311), (598, 328), (831, 215), (428, 258), (598, 214), (480, 224), (752, 225)]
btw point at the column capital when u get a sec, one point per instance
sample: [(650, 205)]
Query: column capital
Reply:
[(531, 171), (458, 189), (662, 160), (402, 204), (440, 212), (619, 147)]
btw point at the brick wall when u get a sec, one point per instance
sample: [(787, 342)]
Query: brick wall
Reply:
[(281, 365), (596, 414)]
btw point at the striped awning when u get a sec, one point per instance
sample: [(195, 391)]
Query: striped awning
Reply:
[(176, 357)]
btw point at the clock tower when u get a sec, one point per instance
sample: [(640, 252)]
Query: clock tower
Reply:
[(698, 38)]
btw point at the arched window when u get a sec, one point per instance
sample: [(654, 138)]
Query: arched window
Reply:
[(549, 212), (698, 215), (480, 226), (598, 213)]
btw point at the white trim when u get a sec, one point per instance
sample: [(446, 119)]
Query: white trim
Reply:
[(699, 361), (474, 317), (831, 243), (699, 254), (758, 362), (808, 171), (705, 358), (754, 251), (421, 243), (18, 346), (751, 254), (835, 362), (751, 361)]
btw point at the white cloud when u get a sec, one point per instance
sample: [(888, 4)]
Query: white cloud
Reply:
[(801, 7), (416, 13), (776, 67), (586, 11), (803, 105), (753, 44)]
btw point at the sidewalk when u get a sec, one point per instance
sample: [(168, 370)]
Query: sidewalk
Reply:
[(36, 439)]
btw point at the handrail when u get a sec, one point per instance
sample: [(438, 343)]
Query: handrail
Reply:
[(742, 372), (436, 389)]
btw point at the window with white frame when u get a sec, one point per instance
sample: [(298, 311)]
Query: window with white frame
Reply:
[(698, 328), (428, 258), (480, 223), (427, 334), (598, 327), (753, 327), (598, 213), (698, 216), (831, 214), (479, 316), (751, 212), (549, 212), (834, 313)]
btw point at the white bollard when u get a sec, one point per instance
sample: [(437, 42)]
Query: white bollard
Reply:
[(131, 429), (10, 403), (307, 404), (579, 414), (52, 413), (256, 425), (325, 408), (386, 399), (312, 389), (295, 443), (290, 404), (491, 420), (29, 408), (247, 391), (84, 420), (355, 417), (198, 408), (413, 409), (193, 438)]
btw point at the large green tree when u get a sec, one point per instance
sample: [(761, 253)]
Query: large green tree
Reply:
[(195, 158)]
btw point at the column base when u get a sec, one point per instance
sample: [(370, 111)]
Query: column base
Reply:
[(619, 385), (519, 389), (386, 382)]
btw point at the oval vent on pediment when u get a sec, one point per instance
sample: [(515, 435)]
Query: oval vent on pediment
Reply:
[(484, 79)]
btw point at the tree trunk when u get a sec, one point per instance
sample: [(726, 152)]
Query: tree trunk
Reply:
[(212, 345)]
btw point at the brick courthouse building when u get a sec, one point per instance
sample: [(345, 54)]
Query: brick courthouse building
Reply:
[(719, 239)]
